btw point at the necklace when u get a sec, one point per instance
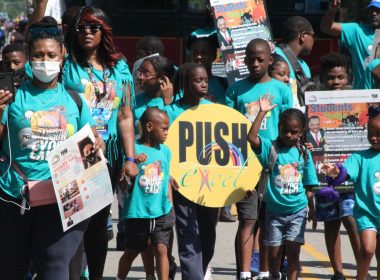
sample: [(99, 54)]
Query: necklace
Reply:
[(106, 83)]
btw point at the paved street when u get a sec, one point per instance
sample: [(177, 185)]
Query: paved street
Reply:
[(315, 263)]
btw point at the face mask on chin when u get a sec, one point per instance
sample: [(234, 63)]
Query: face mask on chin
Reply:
[(46, 71)]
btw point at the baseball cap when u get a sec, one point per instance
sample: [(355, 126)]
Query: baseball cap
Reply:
[(374, 3)]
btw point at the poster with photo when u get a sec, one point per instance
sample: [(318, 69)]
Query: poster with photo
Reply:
[(80, 177), (237, 23), (337, 125)]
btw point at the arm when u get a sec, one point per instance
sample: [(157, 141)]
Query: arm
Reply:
[(38, 14), (5, 98), (99, 143), (253, 134), (328, 25)]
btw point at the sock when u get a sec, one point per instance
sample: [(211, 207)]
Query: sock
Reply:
[(244, 275), (263, 274)]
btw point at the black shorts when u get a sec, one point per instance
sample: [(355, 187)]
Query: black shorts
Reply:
[(247, 208), (139, 231)]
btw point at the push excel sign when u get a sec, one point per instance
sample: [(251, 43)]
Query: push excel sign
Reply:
[(211, 159)]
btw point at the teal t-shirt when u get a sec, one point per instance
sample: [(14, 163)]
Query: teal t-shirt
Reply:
[(177, 108), (303, 64), (217, 91), (38, 121), (358, 39), (104, 112), (370, 82), (149, 198), (285, 193), (364, 170), (244, 97), (144, 102)]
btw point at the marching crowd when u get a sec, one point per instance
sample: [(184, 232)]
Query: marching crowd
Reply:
[(68, 78)]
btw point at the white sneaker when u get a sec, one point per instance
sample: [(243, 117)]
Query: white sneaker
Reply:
[(208, 274)]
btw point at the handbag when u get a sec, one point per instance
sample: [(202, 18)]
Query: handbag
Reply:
[(39, 192)]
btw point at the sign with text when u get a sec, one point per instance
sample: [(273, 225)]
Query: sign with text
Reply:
[(337, 124), (211, 158)]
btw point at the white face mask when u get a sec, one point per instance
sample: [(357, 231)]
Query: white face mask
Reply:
[(46, 71)]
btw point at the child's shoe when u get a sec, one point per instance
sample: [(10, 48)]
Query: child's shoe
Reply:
[(255, 258)]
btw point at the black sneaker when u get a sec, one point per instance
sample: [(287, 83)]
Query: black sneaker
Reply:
[(172, 269), (338, 276)]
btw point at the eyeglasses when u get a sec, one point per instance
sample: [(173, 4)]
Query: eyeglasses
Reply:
[(145, 74), (93, 27), (311, 34)]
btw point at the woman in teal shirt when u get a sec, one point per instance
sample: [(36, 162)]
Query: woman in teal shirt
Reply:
[(99, 74), (42, 116)]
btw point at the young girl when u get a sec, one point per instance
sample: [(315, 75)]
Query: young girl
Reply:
[(286, 200), (195, 223), (147, 209), (279, 69), (363, 169)]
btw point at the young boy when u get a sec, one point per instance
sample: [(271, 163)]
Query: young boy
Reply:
[(244, 96), (333, 214), (147, 208)]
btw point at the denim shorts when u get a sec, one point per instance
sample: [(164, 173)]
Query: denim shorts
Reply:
[(285, 227), (333, 210)]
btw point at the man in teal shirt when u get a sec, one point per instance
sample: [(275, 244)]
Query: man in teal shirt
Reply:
[(357, 38)]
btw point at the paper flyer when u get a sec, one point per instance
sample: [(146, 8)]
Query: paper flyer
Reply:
[(338, 127), (238, 22), (81, 180)]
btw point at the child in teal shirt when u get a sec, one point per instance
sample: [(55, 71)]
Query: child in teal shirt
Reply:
[(286, 201), (147, 208), (362, 168)]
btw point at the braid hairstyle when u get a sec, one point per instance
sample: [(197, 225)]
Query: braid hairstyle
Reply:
[(182, 79), (298, 115)]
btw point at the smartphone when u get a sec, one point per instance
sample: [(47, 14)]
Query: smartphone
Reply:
[(6, 82)]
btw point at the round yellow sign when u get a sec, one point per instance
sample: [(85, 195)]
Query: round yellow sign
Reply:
[(212, 160)]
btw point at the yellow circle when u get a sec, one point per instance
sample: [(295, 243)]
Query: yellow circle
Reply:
[(212, 160)]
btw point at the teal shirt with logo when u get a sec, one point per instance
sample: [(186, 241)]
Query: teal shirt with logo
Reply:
[(244, 97), (149, 198), (38, 121), (364, 170), (285, 192), (358, 39)]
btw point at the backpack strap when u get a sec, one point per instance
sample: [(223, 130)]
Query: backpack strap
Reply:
[(75, 96), (293, 60)]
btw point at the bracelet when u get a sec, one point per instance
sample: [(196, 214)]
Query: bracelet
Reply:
[(131, 159)]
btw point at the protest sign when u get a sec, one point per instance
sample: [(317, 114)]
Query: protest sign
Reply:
[(337, 125), (81, 180), (211, 158), (238, 22)]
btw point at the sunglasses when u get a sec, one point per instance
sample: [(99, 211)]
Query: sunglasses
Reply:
[(93, 27)]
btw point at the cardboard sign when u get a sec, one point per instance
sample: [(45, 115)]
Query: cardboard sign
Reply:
[(211, 158)]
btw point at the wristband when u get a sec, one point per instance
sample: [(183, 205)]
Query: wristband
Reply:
[(131, 159)]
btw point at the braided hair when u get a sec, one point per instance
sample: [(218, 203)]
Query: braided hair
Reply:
[(295, 114), (182, 79)]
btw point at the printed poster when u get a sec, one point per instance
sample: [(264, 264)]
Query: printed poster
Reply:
[(80, 176), (337, 125), (237, 23)]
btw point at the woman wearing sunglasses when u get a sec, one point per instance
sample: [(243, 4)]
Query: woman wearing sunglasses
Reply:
[(98, 73), (41, 116)]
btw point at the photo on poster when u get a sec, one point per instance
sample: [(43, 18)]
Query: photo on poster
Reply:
[(89, 156), (73, 206), (69, 191)]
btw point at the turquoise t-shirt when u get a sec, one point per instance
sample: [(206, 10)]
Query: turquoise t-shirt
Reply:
[(144, 102), (286, 193), (217, 91), (364, 170), (370, 82), (38, 121), (177, 108), (244, 96), (149, 198), (358, 39), (104, 112), (303, 64)]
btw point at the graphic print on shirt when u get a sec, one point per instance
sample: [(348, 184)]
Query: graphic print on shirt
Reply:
[(47, 130), (151, 178), (288, 178), (376, 186), (101, 110), (252, 110)]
